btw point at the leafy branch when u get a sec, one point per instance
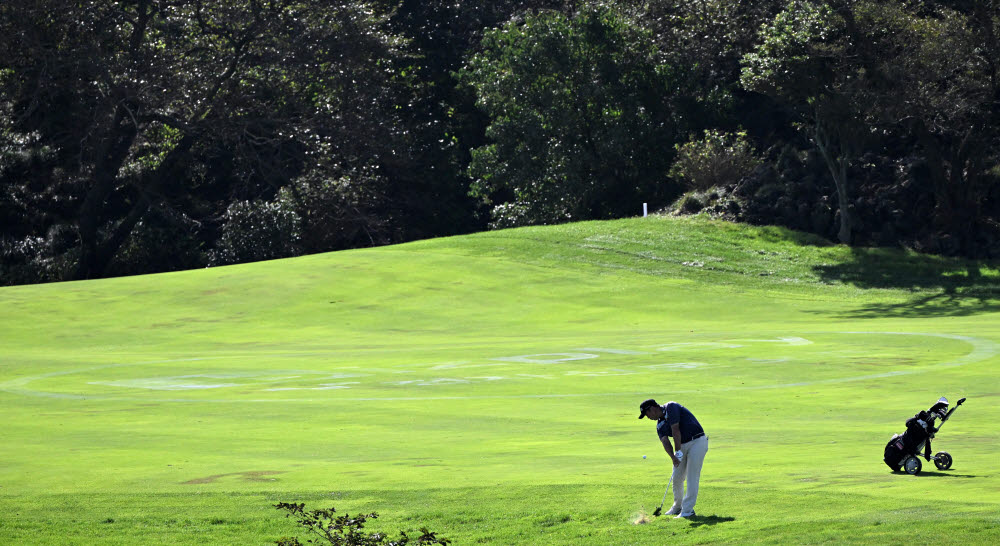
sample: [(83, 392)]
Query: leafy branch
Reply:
[(345, 530)]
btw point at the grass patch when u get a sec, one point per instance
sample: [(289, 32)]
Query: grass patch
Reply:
[(486, 387)]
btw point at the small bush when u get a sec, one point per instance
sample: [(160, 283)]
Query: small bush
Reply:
[(257, 230), (339, 213), (159, 243), (508, 215), (19, 261), (37, 259), (345, 530), (691, 203), (716, 159)]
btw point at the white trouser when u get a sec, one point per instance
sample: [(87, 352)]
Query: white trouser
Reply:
[(689, 470)]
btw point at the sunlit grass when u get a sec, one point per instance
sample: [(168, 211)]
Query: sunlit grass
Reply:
[(486, 386)]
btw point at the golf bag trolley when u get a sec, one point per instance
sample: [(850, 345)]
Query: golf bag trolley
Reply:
[(903, 451)]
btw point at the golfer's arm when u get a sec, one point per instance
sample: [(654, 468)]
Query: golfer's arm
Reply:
[(666, 446), (676, 429)]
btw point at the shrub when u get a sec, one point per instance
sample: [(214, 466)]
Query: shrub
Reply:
[(257, 230), (345, 530), (160, 242), (339, 213), (691, 203), (716, 159), (513, 214), (19, 261), (37, 259)]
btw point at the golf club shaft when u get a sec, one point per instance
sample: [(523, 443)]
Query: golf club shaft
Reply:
[(664, 499)]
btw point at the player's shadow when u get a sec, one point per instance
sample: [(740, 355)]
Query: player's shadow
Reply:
[(698, 521)]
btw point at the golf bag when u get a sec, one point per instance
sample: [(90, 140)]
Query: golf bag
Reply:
[(902, 450), (919, 431)]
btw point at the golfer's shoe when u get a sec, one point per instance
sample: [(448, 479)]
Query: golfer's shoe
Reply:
[(685, 514), (674, 510)]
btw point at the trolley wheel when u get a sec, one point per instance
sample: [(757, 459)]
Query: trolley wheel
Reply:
[(912, 465), (943, 460)]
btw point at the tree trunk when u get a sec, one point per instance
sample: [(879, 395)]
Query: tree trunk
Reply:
[(838, 170), (96, 255), (955, 169), (107, 251), (118, 141), (844, 235)]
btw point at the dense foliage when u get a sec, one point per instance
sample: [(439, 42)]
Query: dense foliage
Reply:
[(583, 117), (152, 135)]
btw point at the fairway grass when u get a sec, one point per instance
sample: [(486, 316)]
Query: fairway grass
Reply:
[(487, 387)]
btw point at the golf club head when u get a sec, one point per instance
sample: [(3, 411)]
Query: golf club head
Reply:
[(959, 403), (657, 511)]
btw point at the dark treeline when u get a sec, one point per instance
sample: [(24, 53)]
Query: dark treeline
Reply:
[(154, 135)]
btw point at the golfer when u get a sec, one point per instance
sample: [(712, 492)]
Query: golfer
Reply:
[(674, 421)]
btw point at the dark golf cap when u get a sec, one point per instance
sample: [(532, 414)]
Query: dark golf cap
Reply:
[(646, 404)]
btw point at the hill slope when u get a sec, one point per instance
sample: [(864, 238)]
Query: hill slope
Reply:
[(486, 386)]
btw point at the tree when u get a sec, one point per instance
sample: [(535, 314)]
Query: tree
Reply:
[(943, 56), (807, 60), (182, 106), (922, 76), (711, 36), (429, 185), (582, 117)]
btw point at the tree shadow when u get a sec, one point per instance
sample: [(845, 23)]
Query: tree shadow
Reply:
[(943, 287), (698, 521)]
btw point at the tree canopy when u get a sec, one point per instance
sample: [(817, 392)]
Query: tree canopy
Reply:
[(583, 117), (153, 135)]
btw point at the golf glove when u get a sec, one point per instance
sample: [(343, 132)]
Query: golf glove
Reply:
[(679, 454)]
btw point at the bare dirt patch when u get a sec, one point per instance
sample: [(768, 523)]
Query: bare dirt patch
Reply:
[(250, 476)]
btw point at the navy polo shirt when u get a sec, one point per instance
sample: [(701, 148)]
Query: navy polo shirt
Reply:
[(676, 413)]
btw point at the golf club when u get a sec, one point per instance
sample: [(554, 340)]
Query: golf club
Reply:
[(952, 410), (664, 499)]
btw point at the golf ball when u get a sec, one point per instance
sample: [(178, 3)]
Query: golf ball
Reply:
[(643, 456)]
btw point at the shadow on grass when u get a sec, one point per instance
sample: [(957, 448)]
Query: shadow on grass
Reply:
[(946, 474), (942, 286), (698, 521)]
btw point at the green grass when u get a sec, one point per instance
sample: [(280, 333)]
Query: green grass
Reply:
[(487, 386)]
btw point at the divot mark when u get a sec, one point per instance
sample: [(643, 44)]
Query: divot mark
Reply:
[(250, 476)]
